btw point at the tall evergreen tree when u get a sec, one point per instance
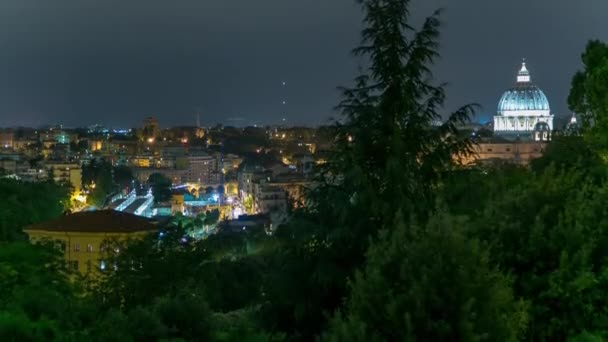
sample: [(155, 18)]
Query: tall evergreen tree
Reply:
[(389, 156)]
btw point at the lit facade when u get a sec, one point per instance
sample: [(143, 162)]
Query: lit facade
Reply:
[(202, 168), (6, 139), (83, 237), (66, 173), (521, 153), (522, 108)]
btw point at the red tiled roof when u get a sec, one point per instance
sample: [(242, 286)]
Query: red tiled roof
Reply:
[(102, 221)]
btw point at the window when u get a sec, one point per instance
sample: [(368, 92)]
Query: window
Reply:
[(76, 247), (489, 150), (508, 150), (89, 248)]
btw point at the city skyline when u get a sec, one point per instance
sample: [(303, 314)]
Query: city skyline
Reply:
[(187, 170), (240, 63)]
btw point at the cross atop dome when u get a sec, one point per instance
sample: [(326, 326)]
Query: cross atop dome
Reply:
[(524, 75)]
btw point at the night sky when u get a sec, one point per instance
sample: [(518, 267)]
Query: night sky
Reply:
[(79, 62)]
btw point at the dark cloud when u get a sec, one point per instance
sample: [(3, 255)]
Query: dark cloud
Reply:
[(116, 61)]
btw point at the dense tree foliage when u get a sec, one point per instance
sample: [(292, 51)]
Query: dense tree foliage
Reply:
[(171, 260), (588, 93), (570, 152), (97, 177), (37, 301), (123, 177), (544, 228), (161, 187), (26, 203), (430, 284)]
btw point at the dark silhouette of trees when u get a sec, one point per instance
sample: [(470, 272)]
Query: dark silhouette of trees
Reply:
[(97, 177), (27, 203), (430, 283), (588, 92), (123, 177), (161, 187)]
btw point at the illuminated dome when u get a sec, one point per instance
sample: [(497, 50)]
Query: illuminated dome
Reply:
[(524, 98), (524, 109)]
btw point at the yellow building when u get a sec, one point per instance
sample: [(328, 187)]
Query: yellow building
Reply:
[(141, 161), (177, 203), (82, 235), (231, 188), (95, 145), (69, 173)]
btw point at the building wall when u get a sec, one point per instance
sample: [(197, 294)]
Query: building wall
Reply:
[(294, 190), (82, 251), (142, 174), (140, 161), (95, 145), (20, 145), (247, 180), (202, 169), (517, 152), (121, 146), (231, 189), (9, 166), (269, 198), (6, 140), (67, 173), (231, 162), (177, 204), (520, 123)]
